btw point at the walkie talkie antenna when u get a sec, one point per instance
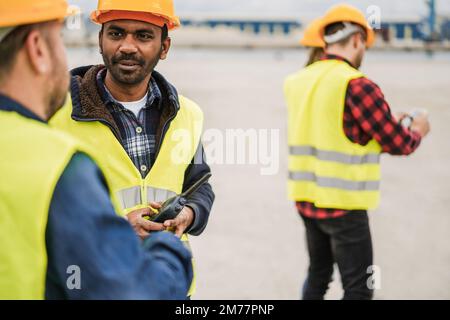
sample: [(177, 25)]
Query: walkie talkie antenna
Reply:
[(173, 206), (196, 185)]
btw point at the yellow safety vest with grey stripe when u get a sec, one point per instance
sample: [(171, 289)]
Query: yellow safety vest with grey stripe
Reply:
[(166, 176), (325, 167), (33, 157)]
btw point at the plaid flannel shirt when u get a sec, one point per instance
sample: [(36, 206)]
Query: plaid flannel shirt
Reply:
[(138, 134)]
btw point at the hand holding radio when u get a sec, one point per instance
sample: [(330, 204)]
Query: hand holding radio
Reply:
[(417, 121), (182, 221), (139, 220), (174, 214)]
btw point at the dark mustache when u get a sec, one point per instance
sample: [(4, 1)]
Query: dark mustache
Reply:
[(128, 57)]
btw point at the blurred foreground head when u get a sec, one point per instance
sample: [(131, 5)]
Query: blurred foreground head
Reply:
[(34, 66), (134, 37)]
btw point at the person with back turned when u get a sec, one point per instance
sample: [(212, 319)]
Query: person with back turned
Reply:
[(339, 124)]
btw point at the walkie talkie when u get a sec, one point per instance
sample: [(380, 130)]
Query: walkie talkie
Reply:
[(173, 206)]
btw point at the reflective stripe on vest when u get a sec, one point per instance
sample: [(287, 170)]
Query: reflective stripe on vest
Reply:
[(328, 182), (333, 155), (131, 197), (159, 195)]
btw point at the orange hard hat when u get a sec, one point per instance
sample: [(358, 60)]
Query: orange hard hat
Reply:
[(158, 12), (347, 13), (312, 36), (20, 12)]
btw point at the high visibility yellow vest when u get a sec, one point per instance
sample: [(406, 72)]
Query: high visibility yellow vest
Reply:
[(33, 156), (325, 167), (166, 176)]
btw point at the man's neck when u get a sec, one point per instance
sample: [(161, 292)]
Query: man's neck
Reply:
[(28, 98), (126, 93), (340, 53)]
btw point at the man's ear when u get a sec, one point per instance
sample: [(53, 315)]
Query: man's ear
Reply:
[(165, 48), (38, 52), (355, 40), (361, 40)]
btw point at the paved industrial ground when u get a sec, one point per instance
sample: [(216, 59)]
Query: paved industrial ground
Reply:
[(254, 245)]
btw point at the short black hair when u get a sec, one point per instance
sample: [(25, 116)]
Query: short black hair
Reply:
[(165, 32)]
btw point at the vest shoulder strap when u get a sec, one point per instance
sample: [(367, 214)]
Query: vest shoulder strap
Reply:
[(191, 107)]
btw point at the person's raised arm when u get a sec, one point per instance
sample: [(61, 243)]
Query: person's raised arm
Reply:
[(86, 239)]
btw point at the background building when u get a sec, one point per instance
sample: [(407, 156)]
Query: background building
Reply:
[(230, 23)]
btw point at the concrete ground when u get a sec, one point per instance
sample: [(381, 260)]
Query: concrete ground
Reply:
[(254, 246)]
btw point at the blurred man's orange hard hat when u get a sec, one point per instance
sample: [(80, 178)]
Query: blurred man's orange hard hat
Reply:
[(312, 36), (347, 13), (20, 12)]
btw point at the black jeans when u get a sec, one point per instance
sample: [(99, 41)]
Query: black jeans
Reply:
[(346, 241)]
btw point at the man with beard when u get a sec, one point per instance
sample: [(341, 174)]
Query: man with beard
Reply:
[(339, 123), (146, 134), (60, 237)]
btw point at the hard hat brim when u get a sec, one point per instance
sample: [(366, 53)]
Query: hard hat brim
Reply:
[(311, 36), (103, 16)]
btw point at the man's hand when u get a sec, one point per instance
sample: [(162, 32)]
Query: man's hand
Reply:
[(421, 125), (181, 222), (143, 226)]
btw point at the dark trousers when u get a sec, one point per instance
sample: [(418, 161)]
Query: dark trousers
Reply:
[(346, 241)]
